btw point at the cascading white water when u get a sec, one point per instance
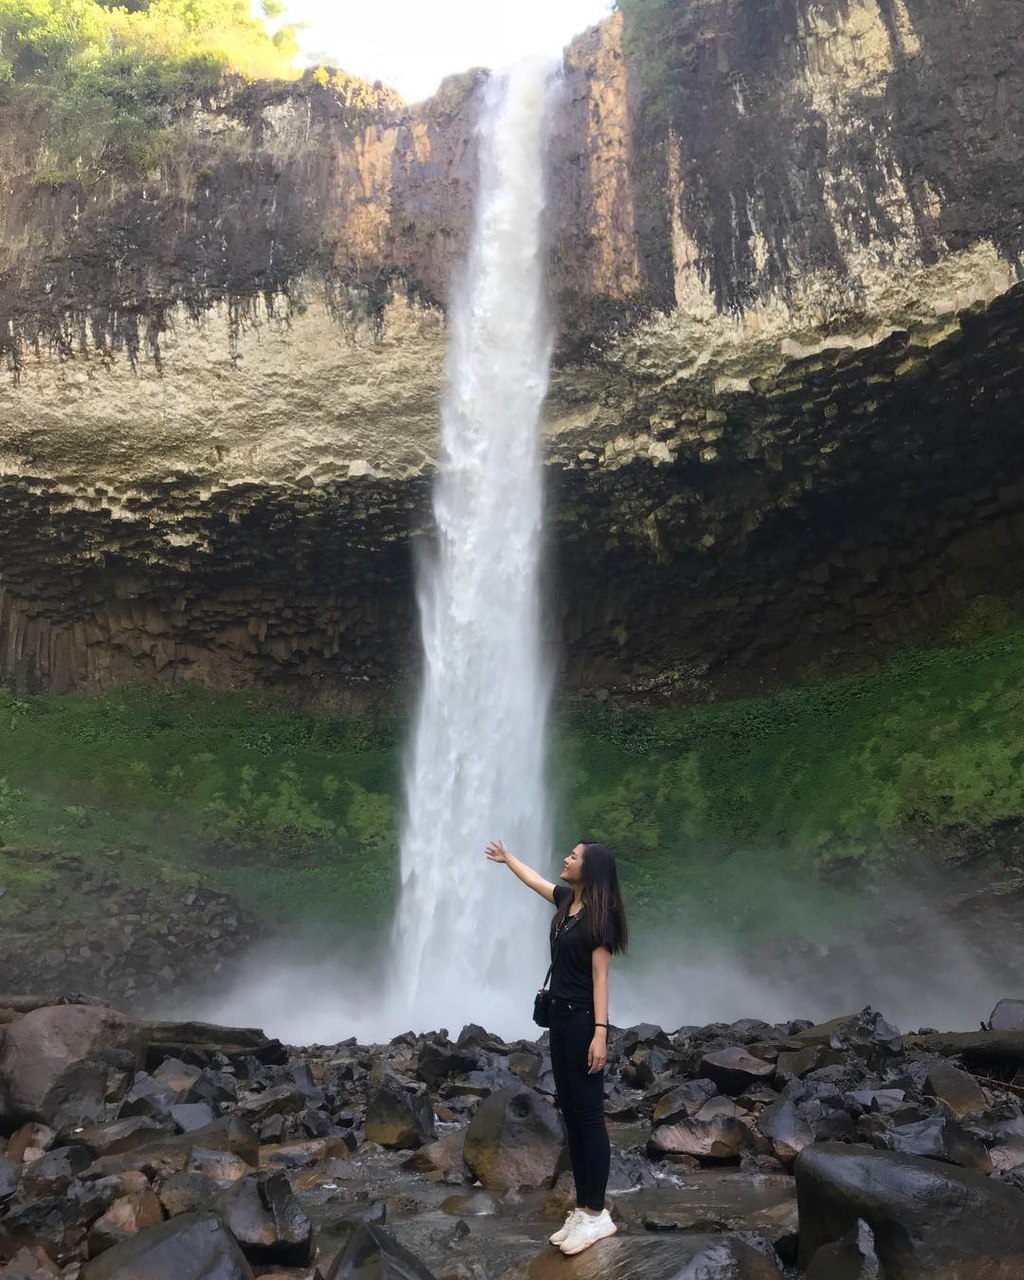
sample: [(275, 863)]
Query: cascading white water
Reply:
[(476, 766)]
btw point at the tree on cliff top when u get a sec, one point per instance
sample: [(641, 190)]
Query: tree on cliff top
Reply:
[(111, 79)]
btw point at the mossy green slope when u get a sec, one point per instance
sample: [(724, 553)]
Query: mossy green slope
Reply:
[(718, 812)]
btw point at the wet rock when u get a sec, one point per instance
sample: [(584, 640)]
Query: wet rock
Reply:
[(192, 1247), (1006, 1143), (681, 1103), (224, 1167), (30, 1141), (851, 1258), (735, 1069), (940, 1138), (442, 1159), (125, 1218), (49, 1064), (187, 1192), (263, 1215), (925, 1216), (53, 1223), (119, 1136), (10, 1174), (883, 1101), (281, 1101), (374, 1254), (179, 1077), (665, 1255), (400, 1120), (30, 1264), (53, 1172), (1008, 1015), (786, 1130), (720, 1139), (437, 1061), (190, 1116), (150, 1097), (515, 1139), (958, 1090)]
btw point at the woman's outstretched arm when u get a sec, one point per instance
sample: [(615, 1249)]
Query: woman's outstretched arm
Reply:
[(497, 852)]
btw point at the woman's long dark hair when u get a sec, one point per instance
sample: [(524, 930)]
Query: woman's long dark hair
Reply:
[(605, 919)]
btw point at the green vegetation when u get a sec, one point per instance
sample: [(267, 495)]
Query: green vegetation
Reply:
[(111, 80), (717, 812)]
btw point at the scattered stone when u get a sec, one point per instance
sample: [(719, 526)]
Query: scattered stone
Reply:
[(720, 1139), (940, 1138), (374, 1254), (1008, 1015), (224, 1167), (53, 1172), (786, 1130)]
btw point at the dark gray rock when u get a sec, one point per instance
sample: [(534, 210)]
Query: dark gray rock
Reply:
[(400, 1120), (735, 1069), (263, 1215), (53, 1172), (374, 1254), (192, 1247), (926, 1217), (515, 1139), (940, 1138), (190, 1116), (786, 1130), (1008, 1015)]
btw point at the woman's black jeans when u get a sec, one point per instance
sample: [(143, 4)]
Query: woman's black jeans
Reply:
[(581, 1099)]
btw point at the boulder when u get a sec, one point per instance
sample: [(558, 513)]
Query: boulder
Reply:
[(10, 1175), (53, 1172), (786, 1129), (126, 1217), (119, 1136), (958, 1090), (193, 1247), (224, 1167), (53, 1223), (30, 1141), (187, 1192), (50, 1064), (374, 1254), (851, 1258), (683, 1102), (1008, 1015), (716, 1140), (400, 1120), (940, 1138), (735, 1069), (263, 1215), (930, 1221), (515, 1139)]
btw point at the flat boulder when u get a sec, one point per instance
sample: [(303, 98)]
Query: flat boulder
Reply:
[(714, 1141), (957, 1089), (668, 1256), (515, 1139), (192, 1247), (940, 1138), (930, 1221), (735, 1069), (126, 1217), (51, 1065), (786, 1129)]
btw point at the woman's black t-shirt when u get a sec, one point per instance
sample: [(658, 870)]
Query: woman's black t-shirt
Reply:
[(572, 975)]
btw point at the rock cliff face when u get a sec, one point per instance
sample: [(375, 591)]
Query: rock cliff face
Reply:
[(783, 431)]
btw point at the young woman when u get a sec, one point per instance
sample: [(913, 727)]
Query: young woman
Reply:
[(588, 929)]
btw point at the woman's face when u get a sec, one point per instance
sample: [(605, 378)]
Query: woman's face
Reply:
[(572, 868)]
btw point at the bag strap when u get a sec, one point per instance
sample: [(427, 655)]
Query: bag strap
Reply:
[(554, 955)]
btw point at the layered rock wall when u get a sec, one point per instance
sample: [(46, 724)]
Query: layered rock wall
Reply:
[(782, 434)]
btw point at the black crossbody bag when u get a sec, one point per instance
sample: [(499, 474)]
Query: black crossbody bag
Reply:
[(542, 1000)]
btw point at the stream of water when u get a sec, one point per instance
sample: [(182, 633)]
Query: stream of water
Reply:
[(477, 758)]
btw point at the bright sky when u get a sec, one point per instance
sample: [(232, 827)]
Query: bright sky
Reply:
[(412, 44)]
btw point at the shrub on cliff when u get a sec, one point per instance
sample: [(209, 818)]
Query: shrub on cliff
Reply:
[(110, 81)]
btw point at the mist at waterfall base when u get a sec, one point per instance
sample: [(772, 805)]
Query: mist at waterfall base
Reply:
[(907, 955)]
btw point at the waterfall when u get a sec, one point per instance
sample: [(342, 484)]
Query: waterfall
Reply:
[(468, 936)]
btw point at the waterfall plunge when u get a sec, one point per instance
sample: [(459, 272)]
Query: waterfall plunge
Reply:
[(476, 766)]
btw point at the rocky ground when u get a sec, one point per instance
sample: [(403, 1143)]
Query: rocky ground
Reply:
[(180, 1151)]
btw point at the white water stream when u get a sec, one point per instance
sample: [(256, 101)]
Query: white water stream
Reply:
[(468, 938)]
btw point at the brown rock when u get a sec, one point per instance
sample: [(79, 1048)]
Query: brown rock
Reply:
[(515, 1139), (46, 1062), (734, 1069), (958, 1090), (718, 1139), (29, 1142), (224, 1167), (126, 1217), (30, 1264)]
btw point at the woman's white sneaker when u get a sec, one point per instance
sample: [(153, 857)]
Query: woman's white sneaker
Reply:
[(566, 1227), (587, 1230)]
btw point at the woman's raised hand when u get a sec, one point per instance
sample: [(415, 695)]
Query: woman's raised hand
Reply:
[(497, 852)]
